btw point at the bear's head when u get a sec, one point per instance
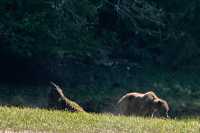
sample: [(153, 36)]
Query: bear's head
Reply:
[(161, 108)]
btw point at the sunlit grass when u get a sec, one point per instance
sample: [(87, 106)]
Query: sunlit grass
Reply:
[(60, 121)]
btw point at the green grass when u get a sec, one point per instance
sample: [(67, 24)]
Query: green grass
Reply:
[(58, 121)]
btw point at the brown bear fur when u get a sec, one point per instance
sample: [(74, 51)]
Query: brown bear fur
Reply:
[(57, 100), (143, 104)]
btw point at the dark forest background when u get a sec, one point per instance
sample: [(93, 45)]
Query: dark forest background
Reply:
[(99, 50)]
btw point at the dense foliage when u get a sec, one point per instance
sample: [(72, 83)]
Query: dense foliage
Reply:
[(42, 27), (99, 46), (161, 32)]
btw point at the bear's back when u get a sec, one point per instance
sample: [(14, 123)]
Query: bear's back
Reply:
[(131, 103)]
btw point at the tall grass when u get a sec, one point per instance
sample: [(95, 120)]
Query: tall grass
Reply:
[(16, 119)]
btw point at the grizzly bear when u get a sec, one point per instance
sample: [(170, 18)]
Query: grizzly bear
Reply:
[(143, 104), (57, 100)]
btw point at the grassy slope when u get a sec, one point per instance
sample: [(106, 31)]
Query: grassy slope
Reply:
[(43, 120)]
